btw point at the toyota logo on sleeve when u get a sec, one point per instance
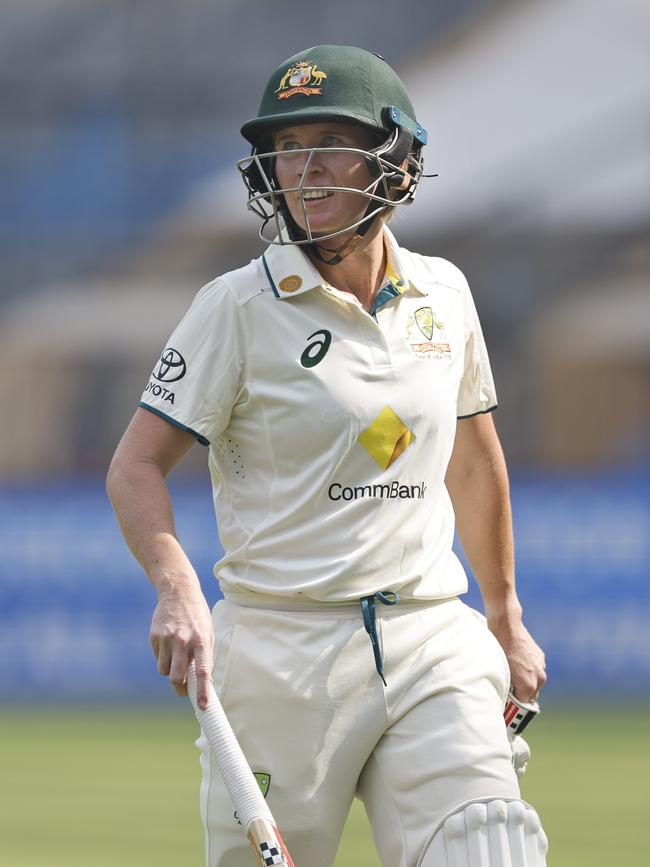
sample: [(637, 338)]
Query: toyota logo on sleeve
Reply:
[(171, 367)]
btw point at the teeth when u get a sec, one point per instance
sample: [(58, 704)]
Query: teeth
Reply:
[(317, 194)]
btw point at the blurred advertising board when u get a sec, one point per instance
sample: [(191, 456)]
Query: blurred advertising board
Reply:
[(75, 607)]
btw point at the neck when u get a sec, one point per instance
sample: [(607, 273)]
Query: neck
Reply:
[(362, 271)]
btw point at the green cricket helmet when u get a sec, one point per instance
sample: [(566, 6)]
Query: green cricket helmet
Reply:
[(333, 83)]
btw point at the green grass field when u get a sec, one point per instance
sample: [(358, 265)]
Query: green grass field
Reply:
[(101, 789)]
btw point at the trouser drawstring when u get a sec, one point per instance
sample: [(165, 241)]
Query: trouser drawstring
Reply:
[(386, 597)]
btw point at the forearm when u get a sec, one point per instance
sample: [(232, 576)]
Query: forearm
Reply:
[(181, 626), (477, 481), (481, 500), (142, 504)]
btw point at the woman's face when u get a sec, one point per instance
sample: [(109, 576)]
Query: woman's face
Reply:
[(326, 211)]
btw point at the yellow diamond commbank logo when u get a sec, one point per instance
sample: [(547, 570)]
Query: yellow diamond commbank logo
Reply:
[(386, 438)]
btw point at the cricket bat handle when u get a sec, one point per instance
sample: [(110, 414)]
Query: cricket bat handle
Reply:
[(242, 787)]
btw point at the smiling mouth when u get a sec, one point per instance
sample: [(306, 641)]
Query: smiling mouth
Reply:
[(313, 195)]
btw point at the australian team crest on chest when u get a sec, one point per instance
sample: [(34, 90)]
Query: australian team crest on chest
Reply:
[(304, 77), (425, 335)]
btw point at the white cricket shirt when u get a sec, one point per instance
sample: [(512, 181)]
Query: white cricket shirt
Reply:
[(330, 430)]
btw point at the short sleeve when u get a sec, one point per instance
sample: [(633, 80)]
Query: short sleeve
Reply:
[(198, 378), (476, 393)]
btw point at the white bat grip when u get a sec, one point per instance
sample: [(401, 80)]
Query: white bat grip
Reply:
[(238, 778)]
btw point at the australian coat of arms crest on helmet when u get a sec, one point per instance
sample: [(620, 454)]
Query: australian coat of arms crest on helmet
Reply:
[(301, 78)]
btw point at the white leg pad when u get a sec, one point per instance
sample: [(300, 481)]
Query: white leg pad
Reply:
[(488, 834)]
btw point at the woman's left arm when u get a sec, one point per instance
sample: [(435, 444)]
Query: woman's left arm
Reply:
[(477, 481)]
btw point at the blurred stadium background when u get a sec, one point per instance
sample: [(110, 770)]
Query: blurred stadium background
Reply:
[(119, 199)]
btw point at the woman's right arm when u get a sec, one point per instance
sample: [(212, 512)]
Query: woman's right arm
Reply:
[(181, 628)]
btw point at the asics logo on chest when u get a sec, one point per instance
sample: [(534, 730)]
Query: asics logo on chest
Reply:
[(317, 349)]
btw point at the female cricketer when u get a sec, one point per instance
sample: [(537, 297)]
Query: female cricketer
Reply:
[(343, 387)]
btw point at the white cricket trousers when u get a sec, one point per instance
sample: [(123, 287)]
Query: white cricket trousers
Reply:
[(312, 715)]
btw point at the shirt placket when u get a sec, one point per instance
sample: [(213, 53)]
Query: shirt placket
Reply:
[(377, 342)]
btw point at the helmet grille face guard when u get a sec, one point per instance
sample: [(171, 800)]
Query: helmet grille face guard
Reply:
[(341, 84), (391, 185)]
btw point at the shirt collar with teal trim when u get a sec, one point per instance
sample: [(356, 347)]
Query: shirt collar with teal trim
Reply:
[(291, 273)]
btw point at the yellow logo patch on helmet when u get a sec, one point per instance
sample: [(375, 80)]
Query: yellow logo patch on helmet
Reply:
[(301, 78)]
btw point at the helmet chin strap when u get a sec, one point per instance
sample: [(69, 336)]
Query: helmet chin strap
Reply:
[(325, 254), (318, 250)]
